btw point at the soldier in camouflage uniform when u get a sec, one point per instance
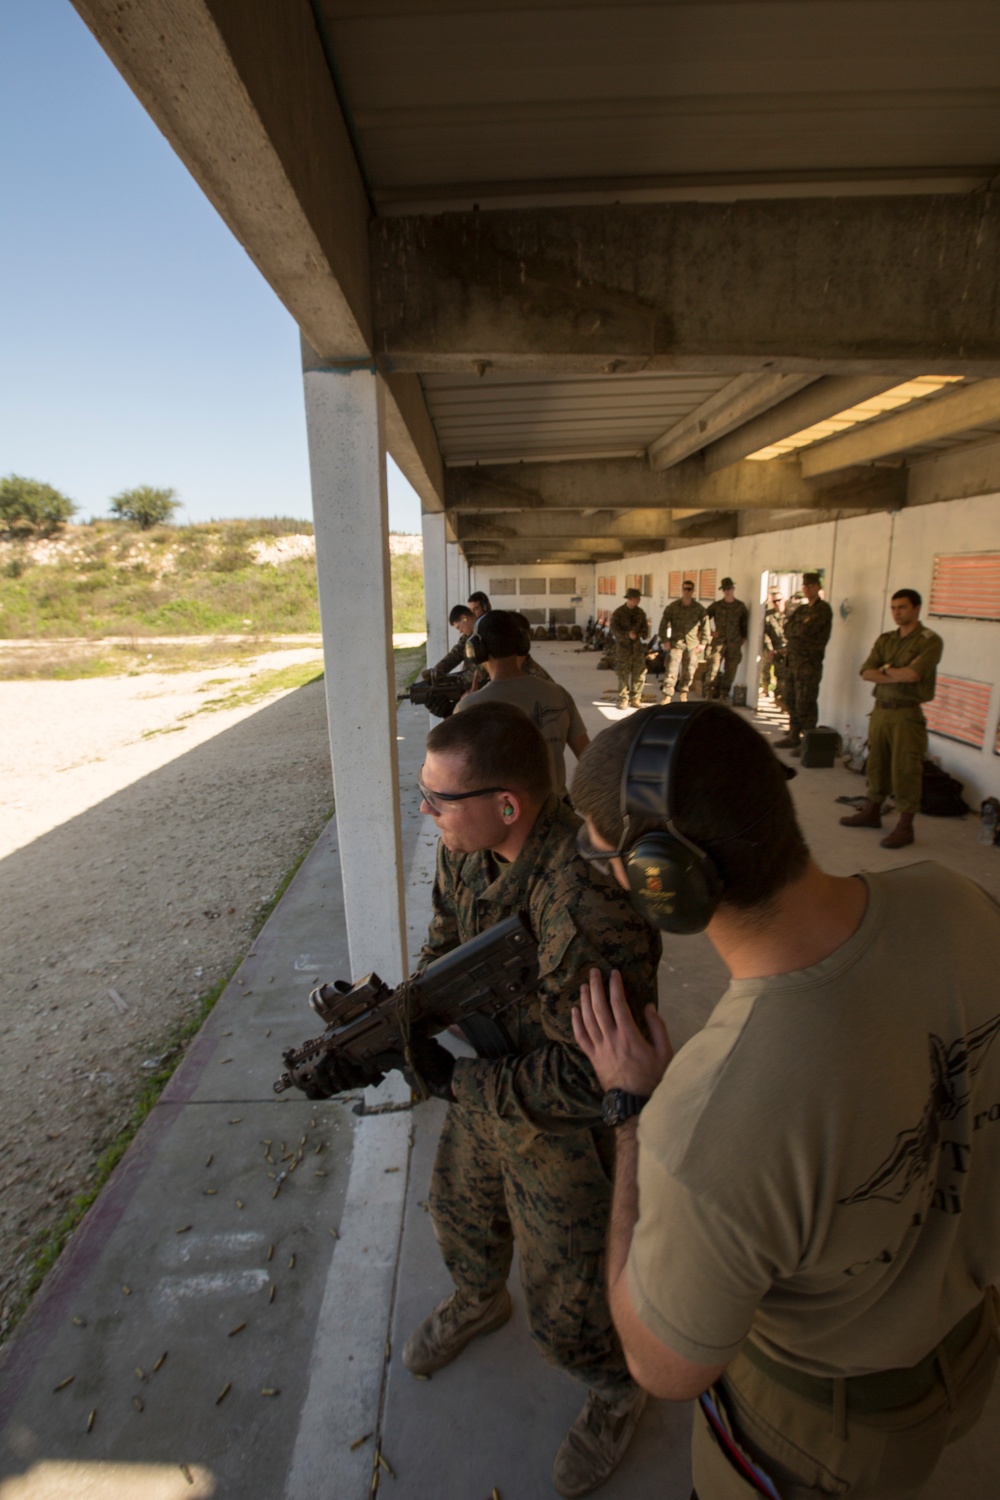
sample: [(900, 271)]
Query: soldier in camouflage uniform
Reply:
[(684, 634), (772, 656), (523, 1155), (902, 664), (464, 621), (807, 631), (629, 628), (729, 633)]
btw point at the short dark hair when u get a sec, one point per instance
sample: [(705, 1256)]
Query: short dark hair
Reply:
[(498, 745), (910, 594), (458, 612), (732, 801), (483, 600), (502, 634)]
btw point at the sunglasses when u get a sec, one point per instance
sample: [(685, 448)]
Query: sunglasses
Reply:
[(434, 798), (600, 858)]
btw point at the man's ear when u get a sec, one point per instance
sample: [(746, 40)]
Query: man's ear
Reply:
[(511, 808)]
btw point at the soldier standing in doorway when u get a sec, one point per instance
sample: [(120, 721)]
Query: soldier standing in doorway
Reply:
[(684, 634), (807, 631), (728, 616), (772, 658), (630, 628)]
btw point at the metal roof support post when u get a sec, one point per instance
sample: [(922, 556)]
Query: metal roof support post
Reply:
[(435, 585), (345, 418)]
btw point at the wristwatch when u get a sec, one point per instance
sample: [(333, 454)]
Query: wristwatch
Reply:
[(618, 1106)]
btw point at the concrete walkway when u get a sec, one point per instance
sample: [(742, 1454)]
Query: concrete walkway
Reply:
[(216, 1328)]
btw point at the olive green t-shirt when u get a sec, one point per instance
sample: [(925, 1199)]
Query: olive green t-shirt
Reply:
[(820, 1167), (549, 707)]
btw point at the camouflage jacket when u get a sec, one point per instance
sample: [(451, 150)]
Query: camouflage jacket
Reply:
[(729, 620), (807, 630), (684, 624), (453, 658), (624, 619), (920, 651), (580, 920), (774, 630)]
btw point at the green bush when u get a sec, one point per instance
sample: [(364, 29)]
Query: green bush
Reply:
[(30, 508), (145, 506)]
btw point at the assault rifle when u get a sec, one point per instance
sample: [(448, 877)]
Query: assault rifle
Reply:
[(440, 694), (473, 984)]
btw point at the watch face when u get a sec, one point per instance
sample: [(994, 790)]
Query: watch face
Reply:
[(610, 1107)]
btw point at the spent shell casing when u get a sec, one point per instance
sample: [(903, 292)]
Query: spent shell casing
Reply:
[(494, 1493), (127, 1290), (92, 1418), (233, 1331), (273, 1292), (183, 1229), (318, 1148), (270, 1390), (302, 1140), (79, 1322), (210, 1193), (291, 1261), (138, 1403), (210, 1160), (240, 1203), (236, 1120), (358, 1441), (335, 1233), (385, 1464), (224, 1393), (63, 1384), (223, 1061), (161, 1361), (319, 1172), (140, 1373), (187, 1473), (270, 1252)]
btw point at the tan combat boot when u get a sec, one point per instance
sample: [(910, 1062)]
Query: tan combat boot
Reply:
[(869, 816), (901, 835), (595, 1444), (452, 1324)]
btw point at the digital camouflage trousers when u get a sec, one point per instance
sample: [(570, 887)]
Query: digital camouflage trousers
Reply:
[(496, 1184)]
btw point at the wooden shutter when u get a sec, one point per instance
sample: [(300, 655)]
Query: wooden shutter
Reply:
[(674, 584), (706, 583)]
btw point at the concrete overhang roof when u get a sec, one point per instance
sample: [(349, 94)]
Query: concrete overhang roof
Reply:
[(605, 253)]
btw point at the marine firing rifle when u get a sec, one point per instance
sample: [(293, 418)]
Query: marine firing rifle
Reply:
[(440, 694), (473, 984)]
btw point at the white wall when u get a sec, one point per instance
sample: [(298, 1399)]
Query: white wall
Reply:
[(584, 574), (864, 560)]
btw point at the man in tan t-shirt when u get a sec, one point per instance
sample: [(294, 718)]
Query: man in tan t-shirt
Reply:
[(806, 1226), (549, 706)]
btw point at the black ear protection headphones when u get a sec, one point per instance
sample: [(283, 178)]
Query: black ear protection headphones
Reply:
[(674, 884), (476, 652)]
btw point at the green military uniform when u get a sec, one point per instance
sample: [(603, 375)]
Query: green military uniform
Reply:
[(807, 631), (684, 634), (630, 656), (772, 657), (523, 1156), (726, 649), (456, 657), (897, 735)]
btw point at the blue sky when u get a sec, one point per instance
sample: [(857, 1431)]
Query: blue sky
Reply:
[(140, 343)]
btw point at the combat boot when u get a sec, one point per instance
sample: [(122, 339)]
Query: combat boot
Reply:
[(596, 1442), (869, 816), (790, 741), (456, 1320), (682, 697), (901, 835)]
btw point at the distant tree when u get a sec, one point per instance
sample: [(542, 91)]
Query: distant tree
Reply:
[(144, 506), (30, 508)]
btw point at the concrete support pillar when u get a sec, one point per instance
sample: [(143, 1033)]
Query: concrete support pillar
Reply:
[(435, 585), (455, 595), (346, 427)]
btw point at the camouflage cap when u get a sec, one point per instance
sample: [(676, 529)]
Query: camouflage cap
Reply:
[(810, 578), (633, 593), (727, 583)]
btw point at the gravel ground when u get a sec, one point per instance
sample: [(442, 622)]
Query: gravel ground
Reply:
[(140, 838)]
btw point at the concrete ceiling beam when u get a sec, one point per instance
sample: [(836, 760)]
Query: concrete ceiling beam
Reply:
[(738, 401), (825, 398), (955, 411), (745, 486), (637, 525), (793, 286)]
